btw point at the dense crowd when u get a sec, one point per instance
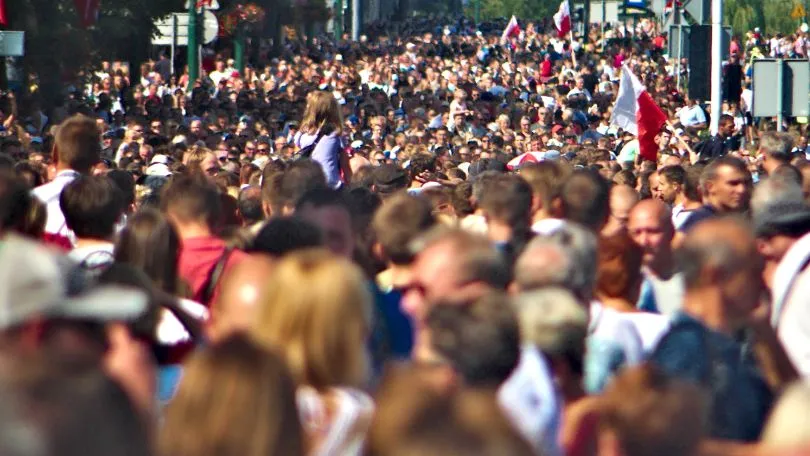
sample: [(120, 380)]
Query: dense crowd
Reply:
[(428, 243)]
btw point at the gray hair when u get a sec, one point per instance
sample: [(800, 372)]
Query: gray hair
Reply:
[(553, 320), (566, 258), (772, 191), (776, 145)]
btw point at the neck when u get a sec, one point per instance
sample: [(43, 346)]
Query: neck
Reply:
[(499, 232), (190, 230), (618, 304), (88, 242), (61, 167), (706, 305), (663, 265), (541, 214)]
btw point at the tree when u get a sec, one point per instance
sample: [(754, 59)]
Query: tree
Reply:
[(58, 49)]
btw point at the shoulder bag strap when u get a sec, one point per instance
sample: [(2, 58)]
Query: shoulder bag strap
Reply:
[(213, 278)]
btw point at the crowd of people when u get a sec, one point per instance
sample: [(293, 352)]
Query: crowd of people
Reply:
[(428, 244)]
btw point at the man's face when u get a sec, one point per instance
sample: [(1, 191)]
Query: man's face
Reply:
[(210, 165), (731, 190), (654, 186), (336, 224), (137, 132), (667, 190), (195, 127), (434, 276), (649, 233)]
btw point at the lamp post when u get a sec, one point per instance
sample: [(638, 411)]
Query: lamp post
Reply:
[(193, 53)]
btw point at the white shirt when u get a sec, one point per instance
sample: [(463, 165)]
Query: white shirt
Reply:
[(532, 403), (691, 115), (609, 324), (790, 314), (49, 195), (649, 326)]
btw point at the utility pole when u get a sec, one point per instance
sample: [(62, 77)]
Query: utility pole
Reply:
[(193, 52), (477, 12), (717, 64), (338, 26), (357, 19)]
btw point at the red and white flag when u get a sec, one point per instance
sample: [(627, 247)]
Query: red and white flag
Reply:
[(3, 18), (636, 112), (88, 11), (512, 30), (562, 20)]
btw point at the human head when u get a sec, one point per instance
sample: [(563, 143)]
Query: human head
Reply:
[(250, 205), (235, 397), (316, 311), (191, 199), (330, 211), (507, 203), (546, 179), (479, 338), (451, 263), (622, 199), (92, 206), (719, 261), (78, 144), (566, 258), (643, 412), (322, 113), (556, 322), (650, 227), (727, 184), (282, 235), (787, 426), (671, 181), (775, 148), (400, 220), (150, 243), (585, 198), (619, 271), (72, 406), (237, 304)]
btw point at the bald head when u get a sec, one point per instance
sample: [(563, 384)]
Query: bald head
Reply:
[(622, 200), (240, 292), (721, 266), (651, 209), (650, 227)]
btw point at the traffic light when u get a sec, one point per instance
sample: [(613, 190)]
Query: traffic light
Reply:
[(578, 15)]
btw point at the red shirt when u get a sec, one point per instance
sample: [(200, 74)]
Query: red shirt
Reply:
[(198, 256)]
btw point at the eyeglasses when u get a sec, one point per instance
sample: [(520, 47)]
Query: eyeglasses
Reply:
[(263, 149)]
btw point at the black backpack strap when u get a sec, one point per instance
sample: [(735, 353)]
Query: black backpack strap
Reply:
[(213, 277)]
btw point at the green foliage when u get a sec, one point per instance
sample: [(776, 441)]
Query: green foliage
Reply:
[(772, 16), (523, 9)]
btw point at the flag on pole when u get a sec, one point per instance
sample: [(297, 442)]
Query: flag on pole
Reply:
[(562, 20), (512, 29), (88, 11), (636, 112)]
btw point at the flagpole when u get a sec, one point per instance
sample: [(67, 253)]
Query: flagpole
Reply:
[(573, 53)]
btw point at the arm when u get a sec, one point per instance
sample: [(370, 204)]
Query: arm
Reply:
[(345, 167), (776, 367)]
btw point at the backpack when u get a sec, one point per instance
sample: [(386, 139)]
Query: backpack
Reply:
[(96, 263)]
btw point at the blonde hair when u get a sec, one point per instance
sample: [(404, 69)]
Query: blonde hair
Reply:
[(789, 423), (235, 398), (322, 114), (316, 311)]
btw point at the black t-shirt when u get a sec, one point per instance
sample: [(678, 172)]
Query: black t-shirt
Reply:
[(697, 216)]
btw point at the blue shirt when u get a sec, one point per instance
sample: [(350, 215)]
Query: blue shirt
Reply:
[(739, 398)]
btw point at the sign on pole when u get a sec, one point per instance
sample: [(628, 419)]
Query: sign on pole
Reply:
[(12, 44), (798, 12), (781, 87), (173, 30)]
